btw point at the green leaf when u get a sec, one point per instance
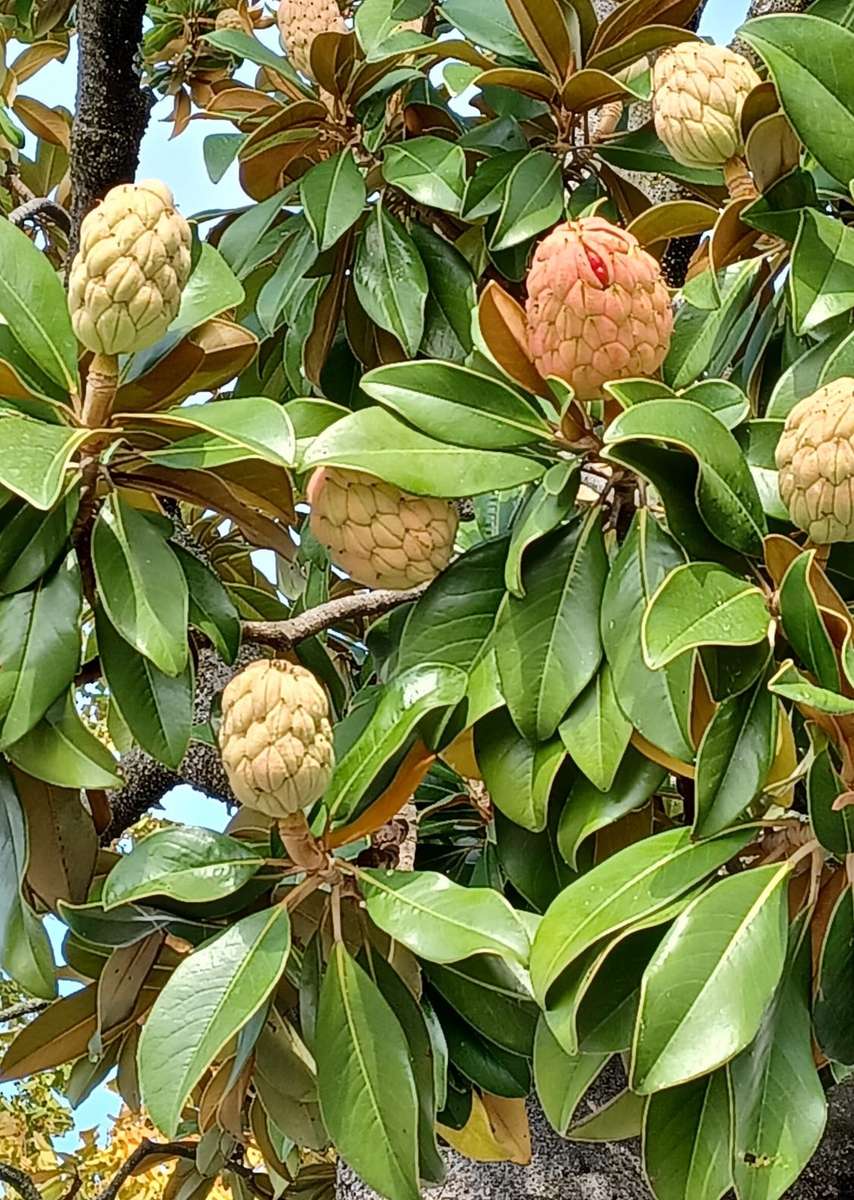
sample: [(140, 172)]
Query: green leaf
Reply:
[(185, 863), (656, 702), (726, 494), (25, 954), (206, 1002), (831, 1013), (283, 291), (735, 758), (723, 398), (484, 1064), (699, 604), (642, 150), (244, 45), (141, 584), (562, 1079), (253, 426), (451, 299), (544, 508), (518, 774), (589, 809), (429, 169), (372, 440), (440, 920), (633, 883), (212, 288), (239, 242), (792, 685), (367, 1089), (456, 405), (485, 189), (61, 750), (618, 1120), (333, 194), (548, 644), (707, 334), (492, 28), (809, 60), (220, 151), (390, 279), (33, 540), (834, 828), (820, 282), (493, 995), (531, 861), (803, 623), (532, 201), (779, 1106), (405, 701), (34, 303), (157, 708), (35, 457), (39, 648), (687, 1140), (210, 609), (595, 731), (708, 984)]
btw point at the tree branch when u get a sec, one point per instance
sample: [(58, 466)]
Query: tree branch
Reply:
[(187, 1150), (41, 207), (19, 1181), (112, 109), (284, 635), (26, 1008)]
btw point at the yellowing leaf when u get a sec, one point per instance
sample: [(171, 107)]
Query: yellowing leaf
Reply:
[(496, 1131)]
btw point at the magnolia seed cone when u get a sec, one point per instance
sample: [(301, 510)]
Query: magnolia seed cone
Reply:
[(300, 22), (126, 280), (698, 92), (275, 737), (598, 308), (378, 535), (815, 458), (229, 18)]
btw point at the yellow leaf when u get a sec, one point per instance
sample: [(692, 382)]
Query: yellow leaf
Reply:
[(496, 1131), (654, 754)]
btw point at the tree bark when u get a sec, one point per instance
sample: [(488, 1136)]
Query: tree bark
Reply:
[(112, 109)]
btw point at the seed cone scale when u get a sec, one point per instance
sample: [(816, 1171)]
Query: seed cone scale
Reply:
[(815, 459), (378, 535), (698, 92), (300, 22), (598, 308), (126, 280), (275, 737)]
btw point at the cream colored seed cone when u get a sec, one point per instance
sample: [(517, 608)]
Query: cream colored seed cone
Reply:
[(229, 18), (300, 22), (275, 737), (815, 458), (380, 536), (698, 92), (598, 308), (125, 285)]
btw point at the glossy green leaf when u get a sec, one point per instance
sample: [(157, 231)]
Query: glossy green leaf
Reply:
[(589, 809), (710, 981), (493, 995), (212, 289), (723, 398), (429, 169), (186, 863), (545, 507), (642, 150), (548, 644), (210, 609), (456, 405), (595, 731), (656, 702), (61, 750), (39, 648), (209, 998), (735, 758), (367, 1088), (803, 623), (487, 1066), (726, 494), (220, 151), (792, 685), (707, 333), (405, 701), (699, 604), (440, 920), (616, 1121), (531, 861), (809, 60), (492, 28), (333, 194), (33, 301), (25, 955), (374, 441), (284, 290), (630, 885), (561, 1079), (532, 201), (779, 1106), (157, 708), (35, 456), (249, 427), (32, 540), (141, 584), (831, 1013), (485, 189), (834, 828), (686, 1140), (451, 299), (820, 282), (390, 279), (518, 774)]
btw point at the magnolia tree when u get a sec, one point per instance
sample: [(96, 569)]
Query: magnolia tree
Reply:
[(480, 532)]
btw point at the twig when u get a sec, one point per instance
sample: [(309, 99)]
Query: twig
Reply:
[(283, 635), (41, 206), (148, 1149), (20, 1181), (25, 1009)]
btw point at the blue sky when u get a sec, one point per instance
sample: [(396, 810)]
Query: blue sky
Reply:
[(181, 164)]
